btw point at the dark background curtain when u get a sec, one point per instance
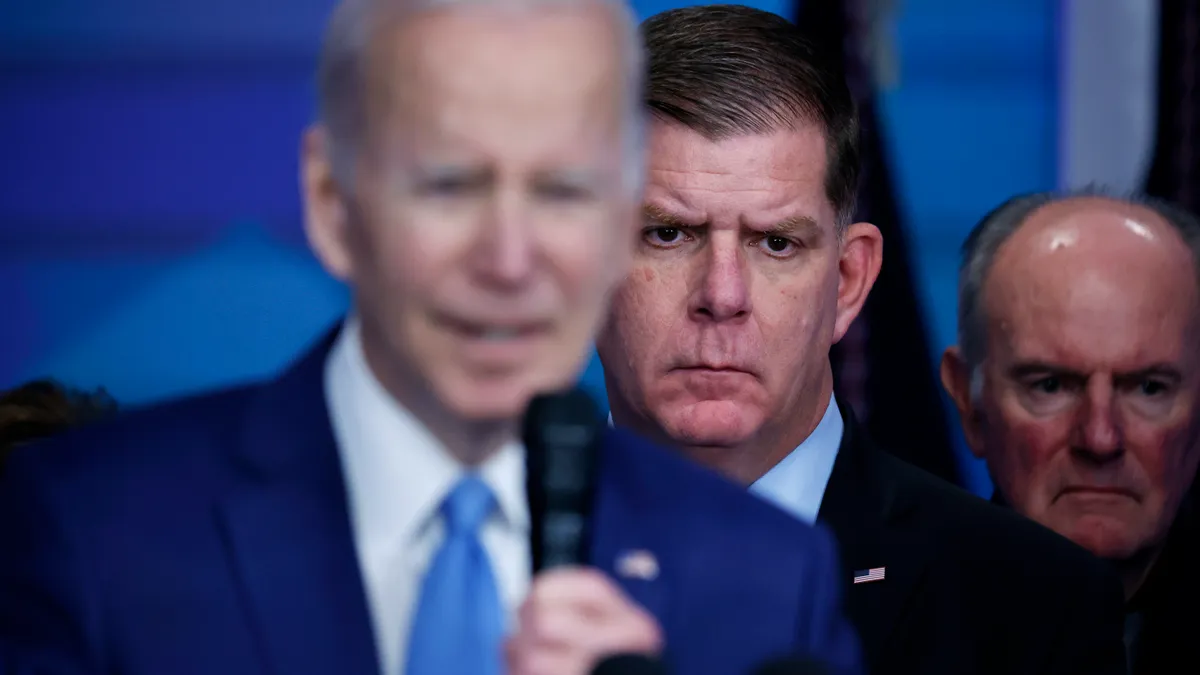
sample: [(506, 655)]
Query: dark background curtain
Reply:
[(883, 367), (1175, 169), (1174, 174)]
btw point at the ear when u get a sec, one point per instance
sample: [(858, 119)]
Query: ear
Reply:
[(956, 379), (325, 210), (858, 266)]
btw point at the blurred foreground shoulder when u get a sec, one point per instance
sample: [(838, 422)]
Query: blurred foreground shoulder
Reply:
[(72, 504), (768, 563)]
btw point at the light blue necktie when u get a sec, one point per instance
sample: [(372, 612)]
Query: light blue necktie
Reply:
[(459, 625)]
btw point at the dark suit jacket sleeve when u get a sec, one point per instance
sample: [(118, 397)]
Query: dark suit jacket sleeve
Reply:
[(831, 638), (48, 623), (1093, 631)]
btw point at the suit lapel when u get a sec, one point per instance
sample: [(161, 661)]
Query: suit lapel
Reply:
[(866, 511), (289, 536), (627, 539)]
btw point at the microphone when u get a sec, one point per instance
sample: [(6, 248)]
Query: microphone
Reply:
[(793, 666), (630, 664), (562, 434)]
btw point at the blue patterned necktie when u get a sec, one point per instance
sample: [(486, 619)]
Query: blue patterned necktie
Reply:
[(459, 625)]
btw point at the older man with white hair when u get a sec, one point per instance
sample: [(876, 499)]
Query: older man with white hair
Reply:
[(475, 178)]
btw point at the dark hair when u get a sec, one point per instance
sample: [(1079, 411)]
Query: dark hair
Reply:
[(724, 70), (43, 408)]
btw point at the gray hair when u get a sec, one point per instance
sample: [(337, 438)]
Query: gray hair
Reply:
[(997, 227), (340, 72)]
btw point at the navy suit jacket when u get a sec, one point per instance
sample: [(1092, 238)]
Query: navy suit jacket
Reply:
[(211, 535)]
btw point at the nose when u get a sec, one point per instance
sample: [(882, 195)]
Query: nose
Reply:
[(503, 252), (723, 293), (1098, 430)]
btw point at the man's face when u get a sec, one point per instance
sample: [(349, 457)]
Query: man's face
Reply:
[(1087, 414), (737, 291), (488, 219)]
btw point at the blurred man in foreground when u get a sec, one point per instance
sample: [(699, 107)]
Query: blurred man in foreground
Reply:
[(476, 179), (750, 267), (1077, 377)]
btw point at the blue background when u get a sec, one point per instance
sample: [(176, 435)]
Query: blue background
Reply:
[(149, 219)]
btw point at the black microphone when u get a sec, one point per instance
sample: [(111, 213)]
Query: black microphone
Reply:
[(562, 434), (630, 664), (793, 666)]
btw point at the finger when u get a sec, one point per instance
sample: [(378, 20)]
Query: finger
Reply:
[(637, 633), (563, 626), (585, 587), (526, 655), (552, 663), (556, 625)]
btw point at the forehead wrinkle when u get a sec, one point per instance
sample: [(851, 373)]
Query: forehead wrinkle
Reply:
[(666, 200), (710, 182), (1100, 332)]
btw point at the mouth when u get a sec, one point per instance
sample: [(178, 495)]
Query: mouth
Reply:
[(496, 332), (1097, 491), (712, 370)]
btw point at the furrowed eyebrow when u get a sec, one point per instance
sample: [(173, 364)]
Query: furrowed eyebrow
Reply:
[(1031, 368), (1039, 368), (665, 219), (800, 226), (1161, 370)]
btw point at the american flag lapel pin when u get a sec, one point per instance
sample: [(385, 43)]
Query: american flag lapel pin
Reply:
[(639, 564), (873, 574)]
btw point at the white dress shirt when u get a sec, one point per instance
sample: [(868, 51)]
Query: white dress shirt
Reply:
[(797, 483), (397, 475)]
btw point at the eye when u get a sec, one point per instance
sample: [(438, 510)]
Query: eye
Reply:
[(447, 186), (777, 246), (1153, 388), (1046, 385), (1050, 393), (665, 237), (562, 192), (1152, 396)]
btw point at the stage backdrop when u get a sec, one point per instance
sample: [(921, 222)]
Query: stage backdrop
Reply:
[(149, 223)]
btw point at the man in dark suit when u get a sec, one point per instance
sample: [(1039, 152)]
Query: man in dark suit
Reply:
[(475, 177), (1077, 378), (750, 268)]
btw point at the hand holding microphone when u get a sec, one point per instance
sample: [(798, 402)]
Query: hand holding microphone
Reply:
[(577, 621), (574, 616)]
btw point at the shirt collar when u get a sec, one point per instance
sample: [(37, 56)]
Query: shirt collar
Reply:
[(797, 483), (397, 471)]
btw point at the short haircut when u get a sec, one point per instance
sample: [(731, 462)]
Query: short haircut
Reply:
[(43, 408), (728, 70), (998, 226), (341, 85)]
